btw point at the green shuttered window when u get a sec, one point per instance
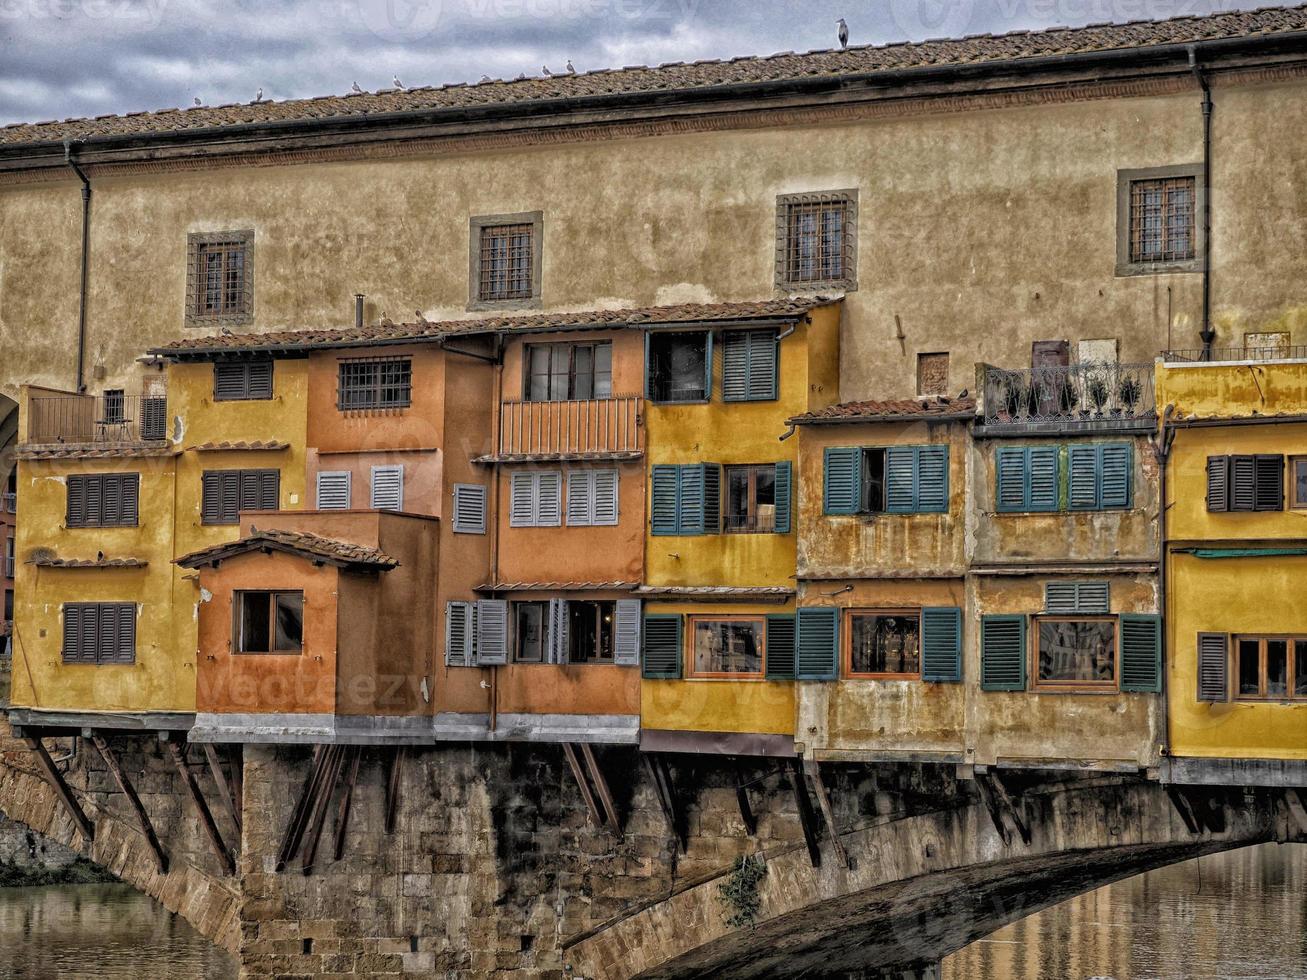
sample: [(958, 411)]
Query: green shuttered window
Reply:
[(1029, 478), (1050, 478), (1100, 477), (784, 475), (749, 359), (818, 644), (941, 644), (892, 480), (781, 647), (842, 492), (1003, 653), (685, 500), (662, 647), (1141, 653)]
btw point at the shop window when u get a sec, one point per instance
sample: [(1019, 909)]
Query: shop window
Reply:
[(269, 622), (568, 372), (883, 644), (679, 366), (1076, 653), (727, 646)]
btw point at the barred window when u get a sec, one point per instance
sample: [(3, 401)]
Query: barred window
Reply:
[(220, 280), (817, 239), (1162, 220), (506, 272), (375, 383)]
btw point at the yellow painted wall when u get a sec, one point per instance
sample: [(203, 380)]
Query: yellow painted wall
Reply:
[(1233, 389), (712, 704)]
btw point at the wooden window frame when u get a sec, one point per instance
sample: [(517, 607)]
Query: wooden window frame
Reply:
[(515, 653), (788, 208), (751, 525), (1126, 264), (649, 341), (528, 349), (694, 619), (238, 608), (196, 245), (846, 643), (1074, 687), (1294, 501), (478, 226), (372, 387), (598, 636), (1232, 651)]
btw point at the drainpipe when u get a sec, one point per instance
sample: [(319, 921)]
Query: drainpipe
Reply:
[(1162, 452), (1207, 333), (497, 392), (86, 249), (358, 311)]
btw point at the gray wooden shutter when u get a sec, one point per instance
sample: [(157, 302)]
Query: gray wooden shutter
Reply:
[(605, 486), (458, 634), (1218, 483), (664, 508), (690, 498), (94, 501), (901, 479), (333, 491), (250, 491), (387, 488), (1012, 474), (1141, 653), (75, 515), (270, 490), (784, 469), (1003, 653), (1213, 667), (1043, 477), (88, 644), (941, 644), (662, 647), (259, 384), (1116, 473), (1082, 479), (469, 508), (111, 500), (1243, 483), (229, 503), (129, 499), (780, 647), (123, 644), (817, 643), (492, 632), (1077, 597), (211, 493), (842, 491), (580, 497), (229, 380), (549, 498), (72, 652), (712, 498), (1270, 481), (154, 418), (931, 479), (556, 649), (522, 500), (106, 640), (627, 619)]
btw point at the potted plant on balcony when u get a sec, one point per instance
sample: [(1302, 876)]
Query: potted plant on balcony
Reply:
[(1097, 388), (1129, 391), (1067, 395), (1013, 394)]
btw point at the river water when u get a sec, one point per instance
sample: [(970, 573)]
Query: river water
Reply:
[(1237, 915)]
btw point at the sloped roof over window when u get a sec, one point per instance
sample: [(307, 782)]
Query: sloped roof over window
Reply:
[(258, 445), (565, 92), (49, 561), (780, 310), (932, 409), (308, 546)]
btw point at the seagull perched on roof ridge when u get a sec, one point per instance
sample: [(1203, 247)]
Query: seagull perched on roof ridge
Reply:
[(355, 89), (486, 78), (570, 69), (422, 321), (258, 96), (844, 33), (545, 69), (386, 321), (397, 83)]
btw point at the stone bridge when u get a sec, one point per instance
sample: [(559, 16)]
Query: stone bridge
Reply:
[(468, 861)]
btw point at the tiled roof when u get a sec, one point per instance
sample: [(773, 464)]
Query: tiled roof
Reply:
[(935, 407), (774, 592), (622, 456), (391, 333), (46, 561), (94, 451), (301, 543), (557, 587), (256, 445), (977, 50)]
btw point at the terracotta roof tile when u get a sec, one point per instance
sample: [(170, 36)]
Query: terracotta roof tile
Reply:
[(935, 407), (49, 561), (256, 445), (557, 587), (310, 546), (94, 451), (512, 323), (715, 591), (679, 76)]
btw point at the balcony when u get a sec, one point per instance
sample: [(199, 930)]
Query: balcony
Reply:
[(1279, 352), (596, 427), (97, 419), (1090, 396)]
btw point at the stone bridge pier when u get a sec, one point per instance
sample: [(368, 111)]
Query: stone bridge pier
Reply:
[(469, 861)]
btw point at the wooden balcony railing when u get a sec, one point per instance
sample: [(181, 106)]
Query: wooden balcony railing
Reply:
[(97, 418), (571, 428)]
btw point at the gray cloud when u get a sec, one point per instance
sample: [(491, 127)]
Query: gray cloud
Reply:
[(62, 58)]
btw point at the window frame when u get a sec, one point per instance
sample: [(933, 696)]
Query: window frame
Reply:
[(598, 637), (1294, 501), (545, 631), (693, 619), (572, 347), (752, 470), (1125, 181), (1037, 684), (786, 209), (846, 643), (374, 386), (1232, 652), (707, 370), (477, 226), (196, 244), (238, 619)]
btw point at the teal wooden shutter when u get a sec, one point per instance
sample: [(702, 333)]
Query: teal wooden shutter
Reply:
[(1043, 477), (749, 359), (763, 360), (901, 479), (1012, 466), (662, 647), (1116, 475), (712, 497), (707, 367), (735, 366), (783, 473), (817, 643), (664, 509), (1003, 653), (1141, 653), (932, 479), (1083, 477), (780, 647), (842, 491), (689, 499), (941, 644)]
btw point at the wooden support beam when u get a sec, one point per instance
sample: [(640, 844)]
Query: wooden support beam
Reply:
[(178, 753), (56, 780), (129, 791), (827, 811), (601, 787), (1009, 806), (1183, 807), (807, 818), (225, 792), (393, 784), (990, 799), (591, 804), (666, 794), (326, 789), (299, 817), (236, 765), (742, 798), (342, 818)]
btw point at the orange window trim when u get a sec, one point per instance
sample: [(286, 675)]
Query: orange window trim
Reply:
[(1083, 687), (846, 644), (693, 674)]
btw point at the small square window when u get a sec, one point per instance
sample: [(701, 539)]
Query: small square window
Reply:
[(816, 240), (269, 622), (506, 252), (1157, 220), (220, 278), (932, 374), (679, 366)]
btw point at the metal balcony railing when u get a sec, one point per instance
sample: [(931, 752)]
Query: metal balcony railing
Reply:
[(1282, 352), (1097, 395), (97, 418), (571, 428)]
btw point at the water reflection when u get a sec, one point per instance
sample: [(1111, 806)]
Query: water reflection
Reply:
[(1242, 914), (105, 932)]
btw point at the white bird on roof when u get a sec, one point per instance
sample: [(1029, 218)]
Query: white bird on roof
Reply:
[(258, 96), (355, 89), (546, 70), (844, 33), (397, 83), (485, 78), (570, 69)]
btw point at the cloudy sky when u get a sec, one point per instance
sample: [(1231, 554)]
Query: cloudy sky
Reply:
[(61, 58)]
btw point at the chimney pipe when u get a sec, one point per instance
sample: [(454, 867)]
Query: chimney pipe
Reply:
[(358, 310)]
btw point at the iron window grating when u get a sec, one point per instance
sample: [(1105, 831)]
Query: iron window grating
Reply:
[(374, 384), (1162, 219), (220, 278), (816, 240), (505, 254)]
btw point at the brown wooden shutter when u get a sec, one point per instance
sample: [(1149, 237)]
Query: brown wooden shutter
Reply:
[(76, 515), (88, 632), (111, 499), (131, 493), (269, 487), (1213, 667), (1218, 483), (1269, 492), (1243, 483), (72, 633), (124, 648), (211, 498)]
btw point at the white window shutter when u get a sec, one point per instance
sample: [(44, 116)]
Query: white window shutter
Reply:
[(387, 488), (334, 490), (626, 633), (458, 634), (580, 497), (549, 499), (604, 496), (492, 632), (557, 653), (469, 508), (522, 509)]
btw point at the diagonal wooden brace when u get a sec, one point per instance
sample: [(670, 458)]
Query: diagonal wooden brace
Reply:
[(178, 753), (56, 780), (129, 791)]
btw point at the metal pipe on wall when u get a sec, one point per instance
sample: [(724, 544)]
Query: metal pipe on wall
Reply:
[(1207, 334), (86, 249)]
